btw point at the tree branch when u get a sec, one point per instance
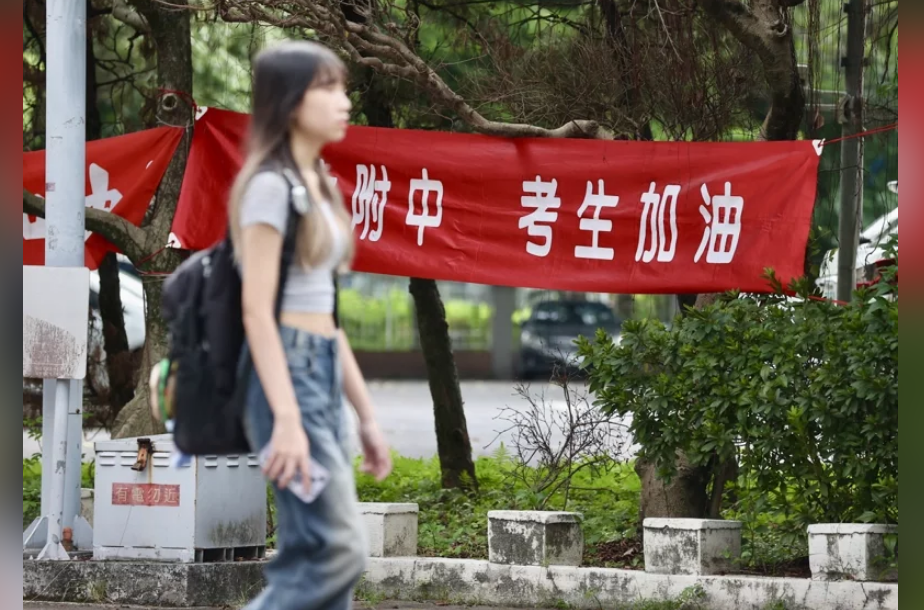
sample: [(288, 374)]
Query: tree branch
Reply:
[(765, 28), (122, 234), (367, 45), (130, 17), (737, 19)]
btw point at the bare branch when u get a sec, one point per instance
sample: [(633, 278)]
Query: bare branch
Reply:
[(129, 16), (121, 233), (737, 19)]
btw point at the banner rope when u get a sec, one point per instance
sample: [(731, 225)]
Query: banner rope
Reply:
[(864, 134)]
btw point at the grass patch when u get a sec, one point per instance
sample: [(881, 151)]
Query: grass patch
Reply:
[(454, 524)]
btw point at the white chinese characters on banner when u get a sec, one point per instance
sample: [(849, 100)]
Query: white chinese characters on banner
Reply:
[(101, 197), (428, 217), (369, 200), (541, 198), (722, 214), (596, 225), (654, 229)]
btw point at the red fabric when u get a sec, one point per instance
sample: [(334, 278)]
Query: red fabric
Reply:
[(123, 174), (480, 233)]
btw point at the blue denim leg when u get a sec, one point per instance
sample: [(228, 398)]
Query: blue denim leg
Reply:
[(322, 547)]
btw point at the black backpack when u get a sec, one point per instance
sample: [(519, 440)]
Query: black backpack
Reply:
[(202, 307)]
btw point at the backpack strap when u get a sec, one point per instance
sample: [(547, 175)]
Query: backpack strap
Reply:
[(299, 203), (336, 300)]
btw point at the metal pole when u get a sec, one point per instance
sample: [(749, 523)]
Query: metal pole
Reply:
[(65, 195), (54, 548), (852, 152)]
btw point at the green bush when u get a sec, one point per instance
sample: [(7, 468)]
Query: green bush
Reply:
[(803, 393), (387, 324), (31, 490), (366, 320)]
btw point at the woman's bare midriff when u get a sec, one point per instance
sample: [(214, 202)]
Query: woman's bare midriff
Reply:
[(314, 323)]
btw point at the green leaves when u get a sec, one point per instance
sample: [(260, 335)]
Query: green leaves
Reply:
[(805, 392)]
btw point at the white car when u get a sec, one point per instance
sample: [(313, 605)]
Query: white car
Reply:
[(871, 250)]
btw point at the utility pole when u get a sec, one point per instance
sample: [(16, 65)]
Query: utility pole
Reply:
[(65, 196), (852, 151)]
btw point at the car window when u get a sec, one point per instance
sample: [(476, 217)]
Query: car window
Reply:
[(585, 314), (594, 314)]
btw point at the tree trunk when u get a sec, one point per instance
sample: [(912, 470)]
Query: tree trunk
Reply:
[(625, 306), (136, 418), (685, 301), (119, 362), (453, 442), (685, 497), (170, 29), (765, 27)]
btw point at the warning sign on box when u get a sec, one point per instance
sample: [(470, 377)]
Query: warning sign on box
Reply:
[(136, 494)]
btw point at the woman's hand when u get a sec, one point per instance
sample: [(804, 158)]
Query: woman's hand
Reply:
[(289, 454), (377, 455)]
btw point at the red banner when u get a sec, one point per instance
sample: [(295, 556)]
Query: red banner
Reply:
[(123, 174), (585, 216)]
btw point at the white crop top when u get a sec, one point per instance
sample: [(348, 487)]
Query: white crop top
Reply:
[(266, 201)]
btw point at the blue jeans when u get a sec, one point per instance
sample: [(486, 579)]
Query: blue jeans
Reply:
[(321, 547)]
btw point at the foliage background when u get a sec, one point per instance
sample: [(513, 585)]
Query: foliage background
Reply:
[(801, 393)]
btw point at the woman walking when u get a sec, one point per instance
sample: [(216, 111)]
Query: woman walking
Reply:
[(303, 364)]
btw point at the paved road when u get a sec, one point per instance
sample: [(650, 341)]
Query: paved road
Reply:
[(406, 414)]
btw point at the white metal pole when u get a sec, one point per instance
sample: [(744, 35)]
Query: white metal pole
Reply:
[(54, 548), (65, 193)]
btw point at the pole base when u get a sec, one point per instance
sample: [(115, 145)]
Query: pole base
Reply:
[(35, 537), (83, 534), (53, 551)]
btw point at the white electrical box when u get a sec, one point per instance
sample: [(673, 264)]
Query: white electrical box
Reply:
[(148, 508)]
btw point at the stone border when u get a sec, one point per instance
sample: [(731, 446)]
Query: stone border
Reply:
[(480, 582), (444, 580)]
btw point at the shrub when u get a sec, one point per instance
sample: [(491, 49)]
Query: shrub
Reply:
[(803, 393), (31, 490)]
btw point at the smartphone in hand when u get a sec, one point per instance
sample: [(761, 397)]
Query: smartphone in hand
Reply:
[(320, 476)]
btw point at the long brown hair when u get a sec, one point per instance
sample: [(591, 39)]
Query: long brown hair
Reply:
[(282, 75)]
